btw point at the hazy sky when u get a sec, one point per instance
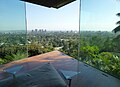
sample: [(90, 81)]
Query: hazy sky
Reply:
[(12, 15), (95, 15), (99, 14), (64, 18)]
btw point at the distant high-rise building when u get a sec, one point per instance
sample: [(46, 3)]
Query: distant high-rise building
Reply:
[(36, 30), (32, 31)]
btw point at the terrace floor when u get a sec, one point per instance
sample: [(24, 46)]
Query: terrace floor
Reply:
[(88, 77)]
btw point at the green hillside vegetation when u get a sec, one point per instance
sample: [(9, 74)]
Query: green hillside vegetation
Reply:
[(98, 49)]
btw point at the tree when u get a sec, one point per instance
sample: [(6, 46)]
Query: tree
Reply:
[(87, 53), (116, 42), (117, 29)]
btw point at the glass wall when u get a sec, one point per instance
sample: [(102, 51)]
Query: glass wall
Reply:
[(99, 46), (12, 31), (55, 31), (52, 29)]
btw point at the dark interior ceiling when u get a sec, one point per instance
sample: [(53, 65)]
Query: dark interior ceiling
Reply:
[(50, 3)]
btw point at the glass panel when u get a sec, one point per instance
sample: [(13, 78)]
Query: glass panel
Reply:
[(12, 31), (52, 29), (55, 31), (99, 45)]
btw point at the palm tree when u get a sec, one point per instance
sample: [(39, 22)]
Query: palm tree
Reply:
[(117, 29)]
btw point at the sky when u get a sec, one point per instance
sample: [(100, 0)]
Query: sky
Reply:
[(96, 15), (64, 18), (99, 14), (12, 15)]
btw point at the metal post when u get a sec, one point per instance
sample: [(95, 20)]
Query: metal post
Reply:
[(70, 82)]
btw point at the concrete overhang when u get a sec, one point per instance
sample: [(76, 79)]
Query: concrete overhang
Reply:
[(50, 3)]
